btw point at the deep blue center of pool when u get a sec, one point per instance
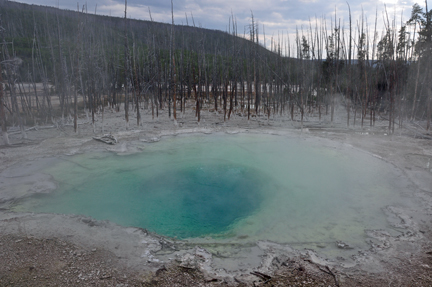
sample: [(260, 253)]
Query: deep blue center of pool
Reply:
[(180, 202)]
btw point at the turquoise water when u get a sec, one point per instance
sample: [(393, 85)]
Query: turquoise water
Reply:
[(240, 188), (181, 201)]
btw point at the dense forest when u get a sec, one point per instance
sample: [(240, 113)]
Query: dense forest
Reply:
[(56, 64)]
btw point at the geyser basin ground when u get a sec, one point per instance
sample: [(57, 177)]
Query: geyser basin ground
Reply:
[(232, 189)]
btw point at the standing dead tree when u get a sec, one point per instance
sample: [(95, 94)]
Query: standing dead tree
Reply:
[(126, 67), (2, 102), (173, 66)]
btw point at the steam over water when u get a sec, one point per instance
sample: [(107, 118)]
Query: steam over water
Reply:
[(231, 188)]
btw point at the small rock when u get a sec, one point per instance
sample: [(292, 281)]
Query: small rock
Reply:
[(343, 245)]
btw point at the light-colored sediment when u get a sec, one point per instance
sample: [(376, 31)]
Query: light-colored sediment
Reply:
[(141, 251)]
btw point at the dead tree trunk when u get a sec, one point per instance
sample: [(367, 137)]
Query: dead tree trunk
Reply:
[(173, 69), (126, 67), (2, 112)]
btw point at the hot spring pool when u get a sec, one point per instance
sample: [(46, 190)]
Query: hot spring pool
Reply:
[(231, 188)]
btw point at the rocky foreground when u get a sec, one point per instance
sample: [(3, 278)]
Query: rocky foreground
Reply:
[(29, 261)]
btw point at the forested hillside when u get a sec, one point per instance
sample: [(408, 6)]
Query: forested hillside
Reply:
[(57, 63), (23, 24)]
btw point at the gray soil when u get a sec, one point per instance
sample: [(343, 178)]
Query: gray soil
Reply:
[(65, 250)]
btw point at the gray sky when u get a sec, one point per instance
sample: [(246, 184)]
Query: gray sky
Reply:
[(277, 16)]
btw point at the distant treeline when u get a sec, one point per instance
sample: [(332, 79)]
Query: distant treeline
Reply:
[(89, 61)]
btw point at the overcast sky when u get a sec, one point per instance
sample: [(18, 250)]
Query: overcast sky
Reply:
[(276, 16)]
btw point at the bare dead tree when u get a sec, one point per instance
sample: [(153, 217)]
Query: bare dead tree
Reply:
[(2, 102), (126, 67), (172, 66)]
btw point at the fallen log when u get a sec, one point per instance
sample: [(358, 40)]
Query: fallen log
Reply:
[(108, 139), (261, 275)]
